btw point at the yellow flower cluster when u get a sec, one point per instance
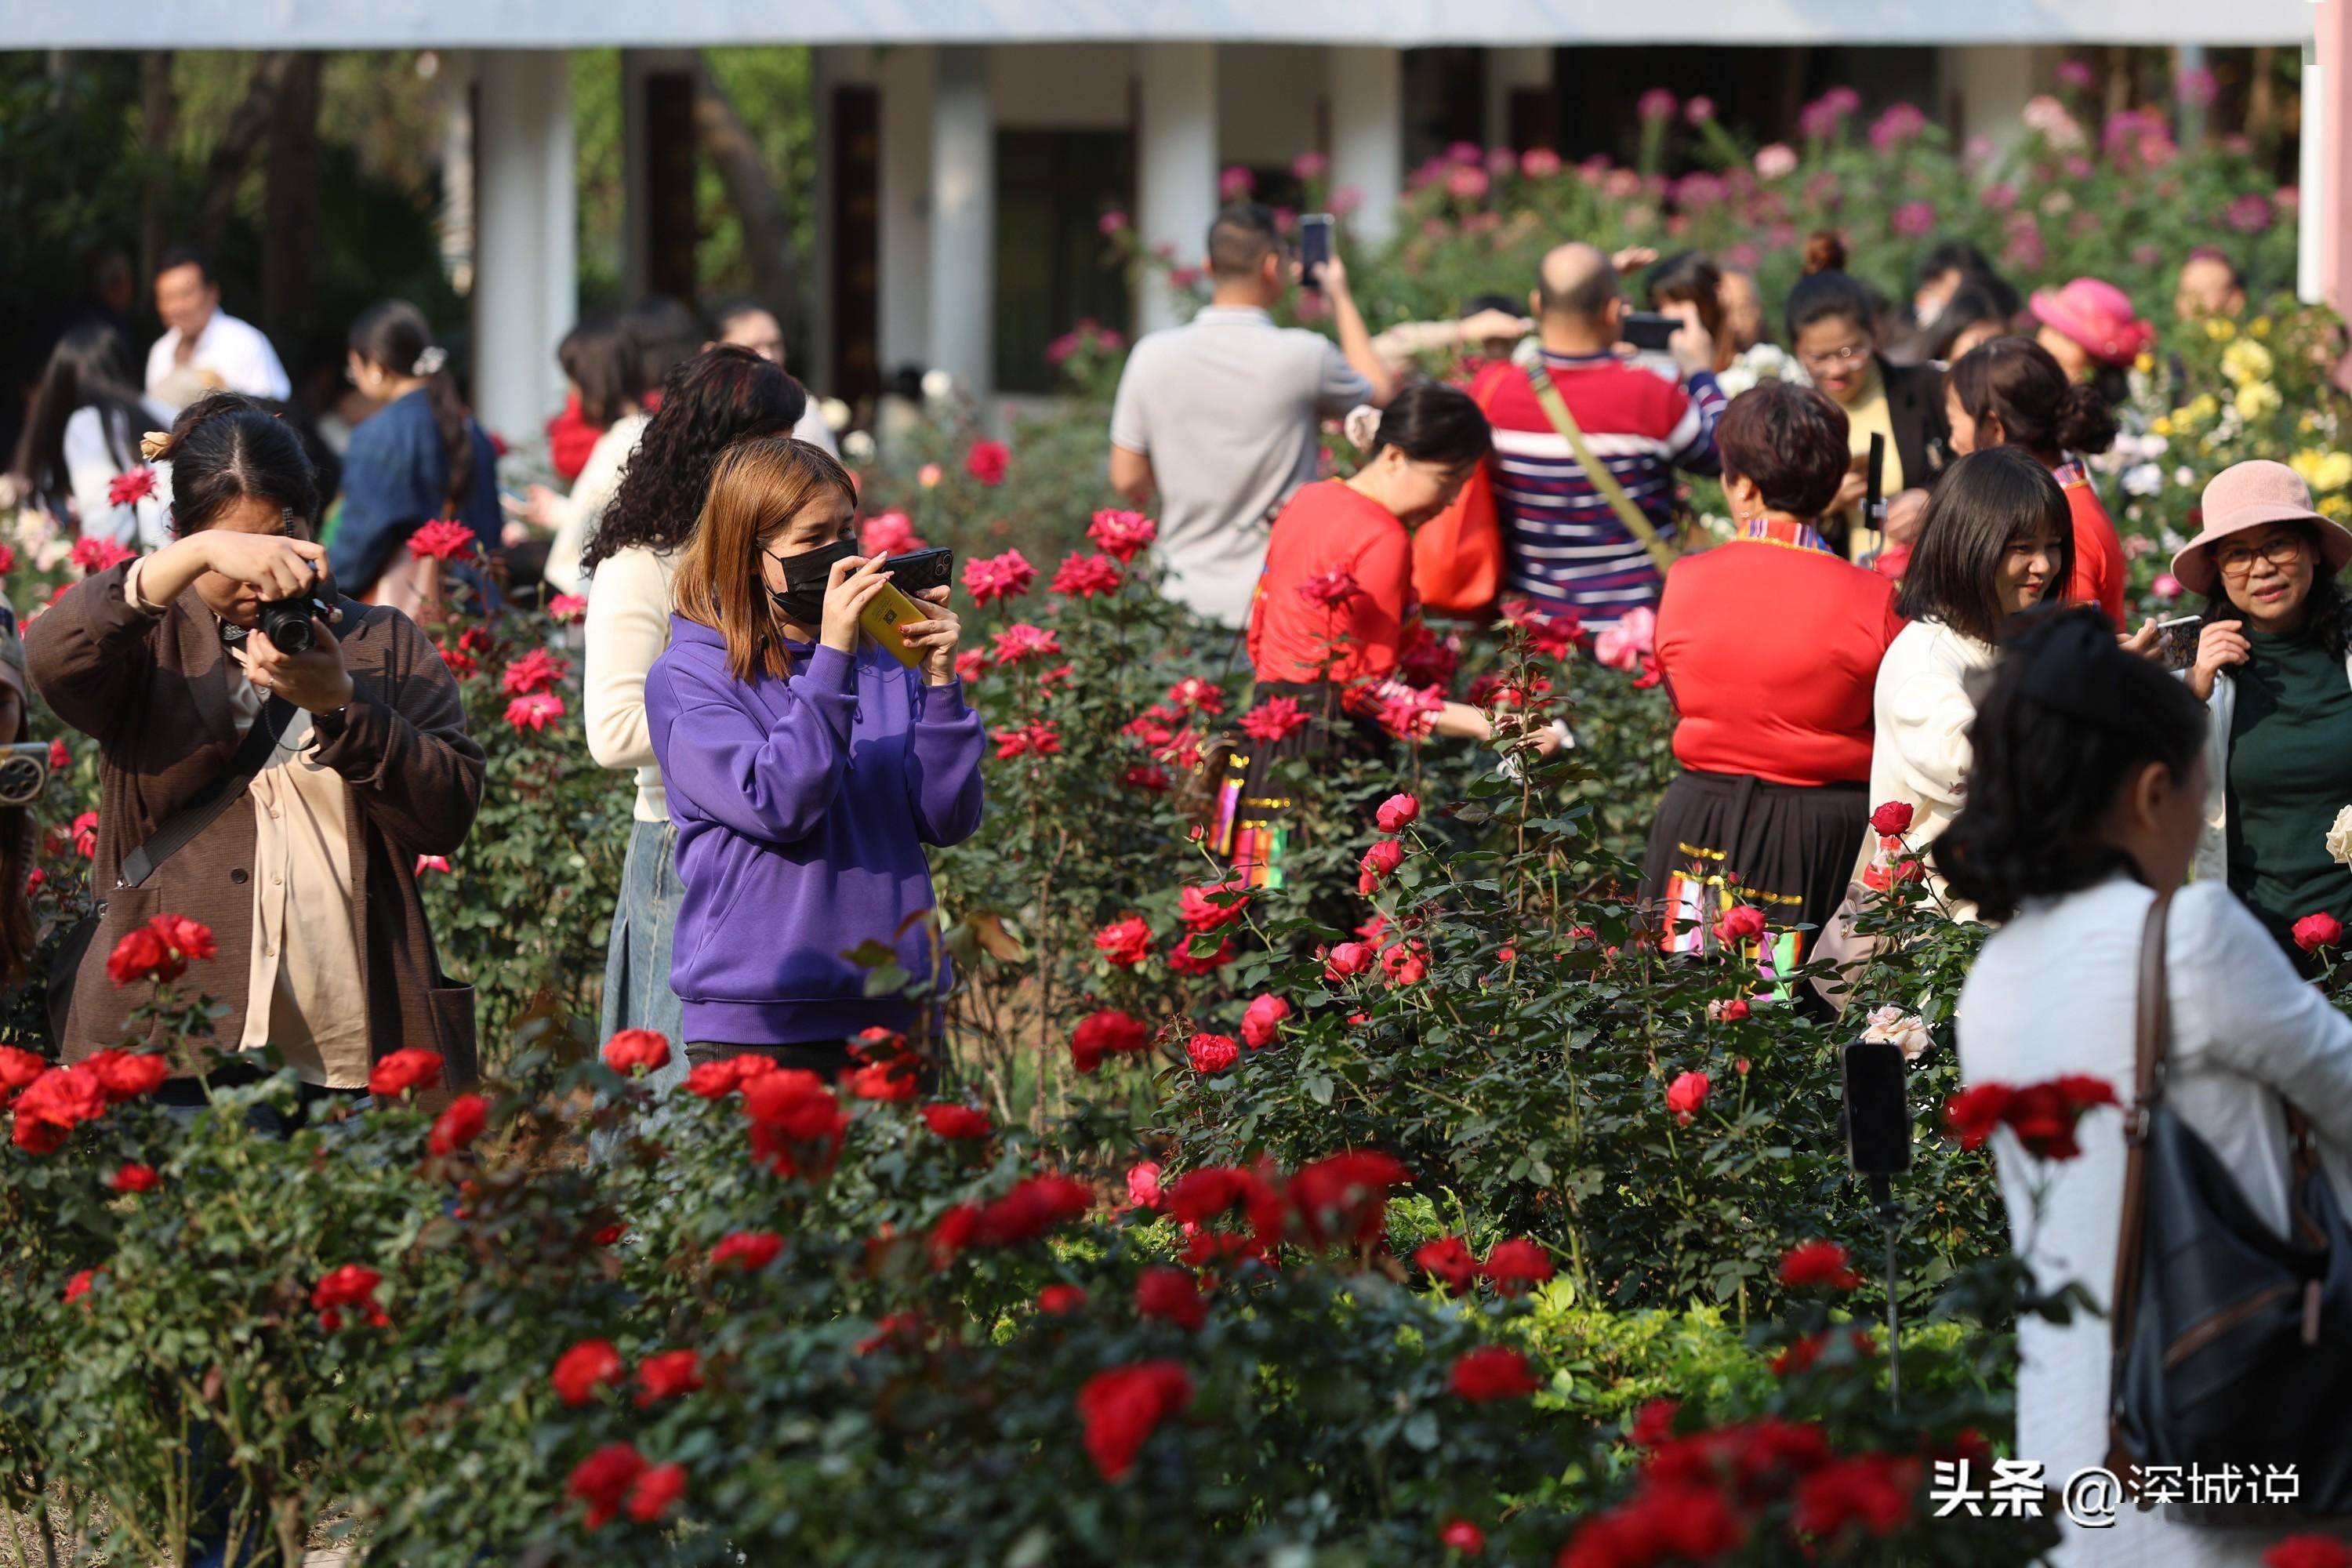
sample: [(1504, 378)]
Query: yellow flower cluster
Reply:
[(2323, 471), (2220, 329), (2257, 399), (2246, 362)]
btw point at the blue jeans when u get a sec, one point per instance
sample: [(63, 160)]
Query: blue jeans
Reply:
[(636, 963)]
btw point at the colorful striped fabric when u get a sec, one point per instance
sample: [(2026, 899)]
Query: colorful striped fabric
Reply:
[(1568, 550)]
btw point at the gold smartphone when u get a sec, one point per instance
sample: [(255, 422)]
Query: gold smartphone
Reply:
[(884, 614)]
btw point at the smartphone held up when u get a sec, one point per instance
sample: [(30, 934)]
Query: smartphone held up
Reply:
[(1315, 241)]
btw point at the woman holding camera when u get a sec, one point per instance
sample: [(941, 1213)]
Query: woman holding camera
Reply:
[(806, 770), (717, 398), (420, 457), (2273, 671), (2085, 803), (2010, 392), (309, 889), (1997, 540)]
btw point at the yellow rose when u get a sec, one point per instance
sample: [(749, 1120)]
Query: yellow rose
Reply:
[(2146, 363), (2255, 401), (2305, 463), (2220, 329), (2245, 363), (2334, 472), (2160, 426), (2260, 326)]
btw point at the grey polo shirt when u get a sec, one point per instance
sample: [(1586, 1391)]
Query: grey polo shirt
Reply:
[(1227, 408)]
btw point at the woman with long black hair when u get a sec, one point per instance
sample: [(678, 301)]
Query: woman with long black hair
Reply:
[(82, 433), (421, 457), (2083, 805), (719, 398)]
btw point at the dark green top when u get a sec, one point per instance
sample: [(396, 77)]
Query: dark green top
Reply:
[(2290, 774)]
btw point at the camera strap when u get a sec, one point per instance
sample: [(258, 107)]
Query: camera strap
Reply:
[(182, 827)]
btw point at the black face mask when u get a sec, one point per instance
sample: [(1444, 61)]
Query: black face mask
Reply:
[(802, 599)]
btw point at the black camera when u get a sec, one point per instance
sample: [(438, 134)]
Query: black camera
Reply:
[(286, 623)]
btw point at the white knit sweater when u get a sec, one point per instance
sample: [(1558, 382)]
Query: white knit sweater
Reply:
[(627, 629)]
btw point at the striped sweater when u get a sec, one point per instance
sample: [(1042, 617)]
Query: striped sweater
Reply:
[(1568, 550)]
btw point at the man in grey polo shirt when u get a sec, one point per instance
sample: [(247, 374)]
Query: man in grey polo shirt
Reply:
[(1220, 416)]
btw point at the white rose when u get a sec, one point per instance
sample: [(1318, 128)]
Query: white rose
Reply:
[(858, 447), (1891, 1026), (836, 414), (2339, 837), (937, 384)]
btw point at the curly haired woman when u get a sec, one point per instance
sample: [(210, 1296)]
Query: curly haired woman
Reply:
[(708, 404)]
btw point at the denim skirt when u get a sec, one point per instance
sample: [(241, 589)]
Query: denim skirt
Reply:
[(636, 965)]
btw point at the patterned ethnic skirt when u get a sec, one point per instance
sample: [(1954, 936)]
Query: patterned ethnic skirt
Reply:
[(1254, 820), (1722, 839)]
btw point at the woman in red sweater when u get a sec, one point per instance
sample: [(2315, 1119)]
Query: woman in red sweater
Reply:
[(1334, 608), (1770, 646), (2011, 391)]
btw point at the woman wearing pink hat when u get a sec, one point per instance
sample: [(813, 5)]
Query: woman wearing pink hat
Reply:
[(2271, 668), (2090, 329)]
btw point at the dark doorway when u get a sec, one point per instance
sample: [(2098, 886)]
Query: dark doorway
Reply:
[(1053, 267), (857, 215)]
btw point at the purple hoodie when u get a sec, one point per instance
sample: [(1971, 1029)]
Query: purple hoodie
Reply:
[(801, 807)]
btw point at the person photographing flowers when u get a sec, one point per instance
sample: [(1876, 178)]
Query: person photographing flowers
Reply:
[(805, 769), (2273, 672), (309, 890)]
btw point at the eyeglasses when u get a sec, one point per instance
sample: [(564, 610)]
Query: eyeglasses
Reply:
[(1847, 355), (2237, 560)]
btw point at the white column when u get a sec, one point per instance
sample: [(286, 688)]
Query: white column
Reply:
[(1368, 134), (453, 224), (1989, 85), (909, 78), (1509, 70), (1178, 200), (963, 220), (2312, 205), (526, 262)]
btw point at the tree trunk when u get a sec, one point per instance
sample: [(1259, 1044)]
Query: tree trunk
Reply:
[(233, 153), (158, 116), (751, 190), (289, 226)]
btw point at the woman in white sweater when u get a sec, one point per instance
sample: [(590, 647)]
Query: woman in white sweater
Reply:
[(2083, 806), (717, 398), (82, 435), (606, 362), (1997, 539)]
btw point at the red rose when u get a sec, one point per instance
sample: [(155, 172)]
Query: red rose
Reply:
[(78, 1288), (583, 1369), (1034, 1206), (534, 713), (1685, 1095), (60, 756), (1182, 959), (444, 540), (1404, 962), (1210, 904), (1329, 590), (1005, 576), (350, 1285), (656, 1491), (1343, 1199), (1972, 1114), (1741, 922), (1273, 718), (1515, 1266), (958, 1121), (1380, 862), (1107, 1033), (1869, 1490), (1021, 640), (537, 670), (130, 488), (630, 1049), (1811, 1263), (1891, 820), (1149, 777), (96, 555), (952, 1233), (1122, 535), (666, 1374), (410, 1068), (1727, 1011), (749, 1250), (1123, 1407), (1347, 961), (603, 1479), (1195, 694), (2314, 932), (1397, 813), (2308, 1551), (1461, 1535), (1143, 1184), (18, 1070), (1262, 1021), (457, 1126), (986, 461), (1212, 1053), (1448, 1258), (57, 1102), (1654, 1424), (717, 1080), (892, 1083), (565, 609), (127, 1074), (1060, 1300), (192, 940), (1492, 1371), (1125, 943), (85, 835), (1172, 1296), (887, 534), (1084, 576), (132, 1178), (141, 954)]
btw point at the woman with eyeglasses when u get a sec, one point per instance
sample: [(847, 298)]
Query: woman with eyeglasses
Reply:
[(2273, 671), (804, 767), (1833, 331)]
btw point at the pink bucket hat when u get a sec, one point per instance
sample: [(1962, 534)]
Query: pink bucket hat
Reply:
[(2247, 495), (2096, 315)]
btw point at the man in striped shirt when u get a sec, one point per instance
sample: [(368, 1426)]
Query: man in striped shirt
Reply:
[(1568, 550)]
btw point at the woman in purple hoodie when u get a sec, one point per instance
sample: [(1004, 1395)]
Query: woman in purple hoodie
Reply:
[(805, 771)]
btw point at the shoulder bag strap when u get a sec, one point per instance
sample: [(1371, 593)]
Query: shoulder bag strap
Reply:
[(1635, 519), (183, 826), (2150, 1032)]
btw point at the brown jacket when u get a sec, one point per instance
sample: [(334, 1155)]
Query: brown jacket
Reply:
[(154, 693)]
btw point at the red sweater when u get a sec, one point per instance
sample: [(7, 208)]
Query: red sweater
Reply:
[(1770, 651), (2099, 570), (1328, 528)]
